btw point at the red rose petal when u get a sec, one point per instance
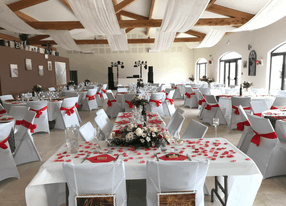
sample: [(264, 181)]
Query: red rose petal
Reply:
[(142, 161), (68, 160), (247, 159), (152, 156), (59, 154), (233, 160), (125, 160), (115, 155), (76, 157), (131, 158), (140, 157), (221, 156), (194, 155)]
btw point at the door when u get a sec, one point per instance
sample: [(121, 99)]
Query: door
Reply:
[(230, 72), (73, 76)]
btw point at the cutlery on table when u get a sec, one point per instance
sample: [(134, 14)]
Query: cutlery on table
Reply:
[(156, 157), (116, 158), (85, 158), (189, 157)]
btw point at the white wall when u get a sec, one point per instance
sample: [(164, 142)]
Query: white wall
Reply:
[(263, 41)]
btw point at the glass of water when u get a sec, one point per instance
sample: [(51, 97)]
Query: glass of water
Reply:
[(215, 124)]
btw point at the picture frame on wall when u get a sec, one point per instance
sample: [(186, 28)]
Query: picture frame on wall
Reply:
[(50, 66), (28, 64), (41, 70), (46, 56), (14, 70), (245, 64)]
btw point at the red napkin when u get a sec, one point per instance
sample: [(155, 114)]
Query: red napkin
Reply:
[(125, 116), (16, 103), (96, 160), (122, 122), (152, 115), (180, 158)]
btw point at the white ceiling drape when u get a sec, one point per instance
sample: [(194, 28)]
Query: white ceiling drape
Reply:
[(212, 38), (180, 16), (98, 17)]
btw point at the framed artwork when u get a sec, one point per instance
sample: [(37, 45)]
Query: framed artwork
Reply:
[(93, 200), (28, 64), (14, 70), (244, 64), (50, 66), (41, 70), (46, 56), (252, 63), (61, 73), (176, 198)]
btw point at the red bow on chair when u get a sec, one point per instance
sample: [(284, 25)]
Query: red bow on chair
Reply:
[(3, 143), (209, 107), (158, 102), (272, 107), (258, 114), (174, 87), (130, 104), (109, 102), (189, 94), (240, 125), (19, 122), (201, 101), (3, 111), (170, 100), (236, 111), (104, 90), (69, 111), (100, 95), (39, 112), (76, 105), (162, 91), (90, 97), (256, 138), (167, 94), (29, 125)]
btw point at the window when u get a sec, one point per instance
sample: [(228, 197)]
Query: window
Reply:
[(277, 76), (201, 69), (230, 65)]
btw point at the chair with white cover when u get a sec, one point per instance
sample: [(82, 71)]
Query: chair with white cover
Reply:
[(91, 87), (186, 176), (212, 110), (178, 110), (161, 88), (67, 115), (128, 106), (87, 132), (41, 119), (123, 89), (168, 104), (102, 112), (155, 103), (2, 110), (201, 102), (195, 130), (103, 92), (247, 132), (99, 97), (176, 124), (190, 98), (279, 103), (96, 179), (103, 125), (26, 150), (258, 107), (6, 97), (177, 94), (52, 89), (7, 167), (89, 102), (265, 148), (205, 91), (234, 116), (18, 113), (113, 107), (282, 93)]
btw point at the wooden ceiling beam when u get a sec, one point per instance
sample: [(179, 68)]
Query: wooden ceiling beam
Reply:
[(211, 3), (9, 38), (132, 15), (38, 37), (122, 5), (25, 17), (150, 15), (24, 4), (229, 12), (128, 30), (195, 33), (65, 2)]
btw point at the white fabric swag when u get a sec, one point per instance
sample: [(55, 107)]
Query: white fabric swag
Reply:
[(212, 38), (98, 17), (180, 16)]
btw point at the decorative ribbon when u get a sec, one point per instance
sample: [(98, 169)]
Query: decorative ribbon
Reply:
[(109, 102), (130, 104), (104, 90), (236, 111), (167, 94), (201, 101), (258, 114), (256, 138), (100, 95), (19, 122), (3, 111), (69, 111), (39, 112), (29, 125), (209, 107), (189, 94), (3, 143), (170, 100), (162, 91), (90, 97), (174, 87), (272, 107), (76, 105), (158, 102), (240, 125)]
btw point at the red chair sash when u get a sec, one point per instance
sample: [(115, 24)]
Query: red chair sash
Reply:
[(209, 107), (162, 91), (90, 97), (130, 104), (201, 101), (29, 125), (69, 111), (236, 111), (272, 107), (100, 95), (39, 112), (76, 105), (19, 122), (189, 94), (170, 100), (3, 111), (158, 102), (3, 143), (103, 90), (167, 94), (258, 114), (256, 138), (109, 102), (240, 125), (174, 87)]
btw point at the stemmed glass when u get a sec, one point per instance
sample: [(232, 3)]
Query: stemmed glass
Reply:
[(174, 138), (215, 124)]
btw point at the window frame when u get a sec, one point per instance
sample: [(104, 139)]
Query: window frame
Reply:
[(199, 69), (272, 54), (224, 68)]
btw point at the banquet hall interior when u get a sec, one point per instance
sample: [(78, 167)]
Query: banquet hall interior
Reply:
[(142, 102)]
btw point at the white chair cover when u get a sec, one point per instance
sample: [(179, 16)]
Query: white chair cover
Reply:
[(201, 106), (99, 97), (177, 94), (279, 102), (91, 87), (258, 107), (177, 123), (205, 91), (128, 97), (270, 154), (214, 112), (161, 88), (18, 112), (186, 176), (169, 104), (90, 104), (178, 110), (195, 130), (3, 98), (2, 110), (102, 91), (87, 132), (7, 167), (282, 93), (113, 110), (102, 112), (103, 125), (122, 89), (153, 105), (192, 101), (26, 150), (41, 121), (91, 179), (236, 101), (64, 120)]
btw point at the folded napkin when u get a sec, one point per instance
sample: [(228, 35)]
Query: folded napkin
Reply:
[(15, 102), (180, 158), (125, 116), (155, 121), (123, 122), (6, 119), (101, 158)]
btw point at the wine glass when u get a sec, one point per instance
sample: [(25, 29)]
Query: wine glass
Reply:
[(174, 139), (215, 124)]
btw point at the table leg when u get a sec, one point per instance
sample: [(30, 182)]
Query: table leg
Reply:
[(223, 189), (67, 195)]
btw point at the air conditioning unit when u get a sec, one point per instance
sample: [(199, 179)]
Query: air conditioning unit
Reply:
[(154, 51)]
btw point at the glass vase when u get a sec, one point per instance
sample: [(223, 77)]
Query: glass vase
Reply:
[(72, 139)]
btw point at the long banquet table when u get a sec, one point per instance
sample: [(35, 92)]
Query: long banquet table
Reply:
[(48, 186)]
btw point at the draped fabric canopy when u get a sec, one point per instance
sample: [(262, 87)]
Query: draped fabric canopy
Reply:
[(212, 38), (118, 42)]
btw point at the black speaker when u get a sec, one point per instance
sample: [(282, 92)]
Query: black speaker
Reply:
[(57, 54), (151, 69), (150, 75), (2, 42), (110, 79)]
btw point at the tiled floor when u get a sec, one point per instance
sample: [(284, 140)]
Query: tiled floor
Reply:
[(12, 191)]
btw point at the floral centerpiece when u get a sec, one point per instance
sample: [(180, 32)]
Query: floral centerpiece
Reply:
[(70, 83), (86, 81), (192, 78), (37, 88), (138, 101), (247, 85), (139, 136), (140, 83)]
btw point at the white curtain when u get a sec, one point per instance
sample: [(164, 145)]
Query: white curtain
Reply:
[(11, 22), (118, 42), (212, 38), (180, 16)]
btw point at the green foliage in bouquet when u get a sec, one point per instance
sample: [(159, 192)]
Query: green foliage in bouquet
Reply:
[(139, 101)]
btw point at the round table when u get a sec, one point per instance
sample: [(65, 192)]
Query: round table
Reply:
[(274, 115)]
